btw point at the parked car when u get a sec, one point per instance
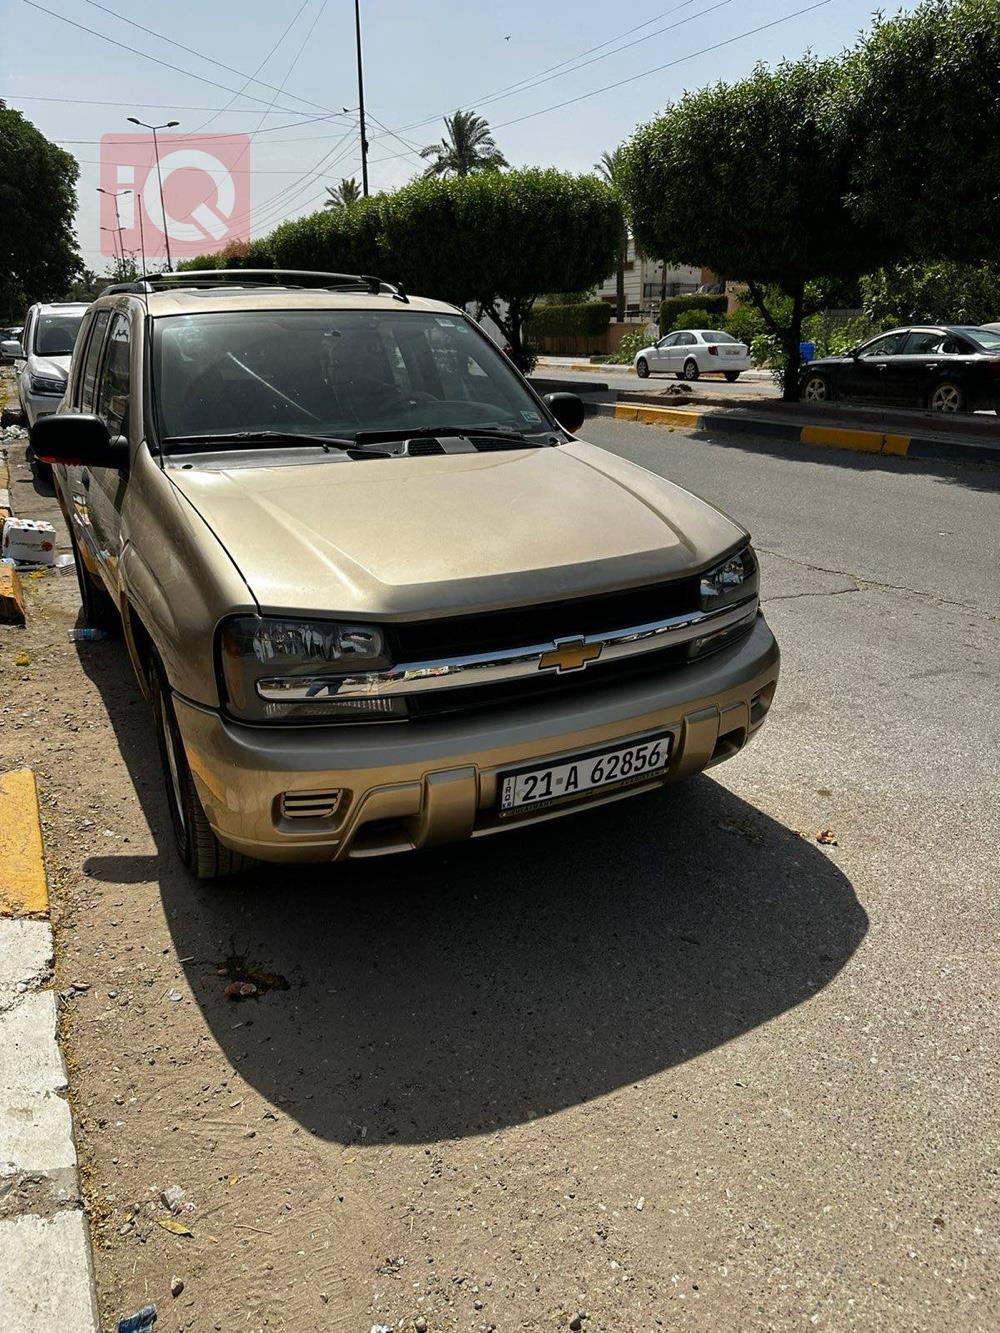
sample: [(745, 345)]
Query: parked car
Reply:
[(12, 334), (690, 353), (377, 593), (946, 368), (41, 355)]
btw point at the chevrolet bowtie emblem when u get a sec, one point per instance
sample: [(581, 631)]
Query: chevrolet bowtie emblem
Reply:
[(569, 655)]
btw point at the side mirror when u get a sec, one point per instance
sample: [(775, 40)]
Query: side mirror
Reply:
[(12, 348), (76, 438), (567, 409), (853, 351)]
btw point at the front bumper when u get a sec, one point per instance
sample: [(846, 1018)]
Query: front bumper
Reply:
[(37, 405), (419, 784)]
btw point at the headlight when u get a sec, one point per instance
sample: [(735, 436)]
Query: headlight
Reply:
[(284, 670), (736, 580), (43, 384)]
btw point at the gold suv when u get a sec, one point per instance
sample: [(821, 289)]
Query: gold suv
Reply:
[(378, 594)]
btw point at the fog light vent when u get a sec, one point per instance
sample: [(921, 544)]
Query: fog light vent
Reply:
[(310, 804)]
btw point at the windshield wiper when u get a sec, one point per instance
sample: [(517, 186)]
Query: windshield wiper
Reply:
[(366, 437), (264, 437)]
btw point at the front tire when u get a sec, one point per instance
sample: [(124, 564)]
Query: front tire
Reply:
[(198, 847), (691, 371), (816, 389), (732, 376), (947, 397), (99, 610), (642, 368)]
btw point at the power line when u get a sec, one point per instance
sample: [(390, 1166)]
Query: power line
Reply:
[(271, 129), (620, 83), (155, 106), (210, 60), (251, 78), (134, 51)]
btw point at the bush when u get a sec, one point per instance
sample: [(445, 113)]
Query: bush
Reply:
[(631, 343), (765, 350), (675, 306), (695, 318), (588, 320), (745, 323), (340, 240)]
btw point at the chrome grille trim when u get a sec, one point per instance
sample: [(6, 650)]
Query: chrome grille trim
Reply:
[(513, 664)]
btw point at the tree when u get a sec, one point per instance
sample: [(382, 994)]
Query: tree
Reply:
[(750, 180), (501, 239), (339, 240), (345, 194), (38, 255), (932, 292), (920, 97), (610, 169), (467, 147)]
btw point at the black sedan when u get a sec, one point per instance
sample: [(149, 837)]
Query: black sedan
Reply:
[(946, 368)]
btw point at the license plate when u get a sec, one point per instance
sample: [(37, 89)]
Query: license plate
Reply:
[(733, 351), (624, 764)]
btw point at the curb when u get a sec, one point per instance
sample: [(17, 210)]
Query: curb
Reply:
[(835, 437), (46, 1278)]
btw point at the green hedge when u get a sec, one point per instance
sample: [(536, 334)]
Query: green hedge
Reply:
[(586, 320), (674, 306)]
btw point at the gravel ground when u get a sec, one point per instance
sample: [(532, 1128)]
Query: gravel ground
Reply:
[(673, 1065)]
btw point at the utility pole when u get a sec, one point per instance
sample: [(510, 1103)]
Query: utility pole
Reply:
[(171, 124), (118, 261), (361, 101)]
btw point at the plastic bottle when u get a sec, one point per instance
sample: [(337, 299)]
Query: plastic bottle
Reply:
[(87, 635)]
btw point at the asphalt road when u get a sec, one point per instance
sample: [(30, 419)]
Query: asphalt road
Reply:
[(674, 1064)]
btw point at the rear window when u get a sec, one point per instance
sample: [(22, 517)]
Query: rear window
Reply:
[(717, 336), (985, 338)]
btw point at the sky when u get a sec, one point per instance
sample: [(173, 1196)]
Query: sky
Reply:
[(513, 63)]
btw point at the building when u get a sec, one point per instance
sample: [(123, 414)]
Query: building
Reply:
[(648, 282)]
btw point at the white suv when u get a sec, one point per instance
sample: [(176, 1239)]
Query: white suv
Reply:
[(42, 356)]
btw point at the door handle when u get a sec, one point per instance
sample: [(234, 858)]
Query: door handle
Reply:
[(931, 365)]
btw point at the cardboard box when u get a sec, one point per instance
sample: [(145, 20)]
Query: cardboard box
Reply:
[(28, 541)]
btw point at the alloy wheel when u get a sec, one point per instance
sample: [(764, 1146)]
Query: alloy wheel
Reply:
[(946, 398)]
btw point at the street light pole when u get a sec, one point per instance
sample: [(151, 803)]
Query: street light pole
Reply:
[(114, 195), (118, 262), (361, 100), (156, 153)]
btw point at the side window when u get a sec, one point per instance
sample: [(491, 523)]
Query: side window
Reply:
[(27, 333), (89, 384), (926, 342), (890, 345), (686, 340), (669, 341), (112, 399)]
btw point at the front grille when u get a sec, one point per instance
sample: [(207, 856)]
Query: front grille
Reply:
[(496, 631), (546, 685)]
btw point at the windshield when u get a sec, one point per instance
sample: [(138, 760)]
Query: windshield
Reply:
[(55, 334), (986, 338), (717, 336), (331, 372)]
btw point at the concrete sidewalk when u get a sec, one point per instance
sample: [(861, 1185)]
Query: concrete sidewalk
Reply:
[(46, 1279)]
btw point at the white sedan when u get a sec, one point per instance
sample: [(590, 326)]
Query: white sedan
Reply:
[(690, 353)]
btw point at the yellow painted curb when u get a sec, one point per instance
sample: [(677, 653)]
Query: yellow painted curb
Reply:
[(23, 888), (11, 597), (864, 441), (657, 416)]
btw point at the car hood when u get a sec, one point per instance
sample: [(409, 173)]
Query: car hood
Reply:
[(49, 367), (455, 533)]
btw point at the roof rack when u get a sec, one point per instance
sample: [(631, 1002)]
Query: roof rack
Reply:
[(259, 277)]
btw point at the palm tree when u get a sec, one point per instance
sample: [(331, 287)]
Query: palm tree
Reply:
[(346, 193), (468, 146), (610, 169)]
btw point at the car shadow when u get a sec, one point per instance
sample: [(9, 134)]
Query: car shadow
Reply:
[(455, 992)]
